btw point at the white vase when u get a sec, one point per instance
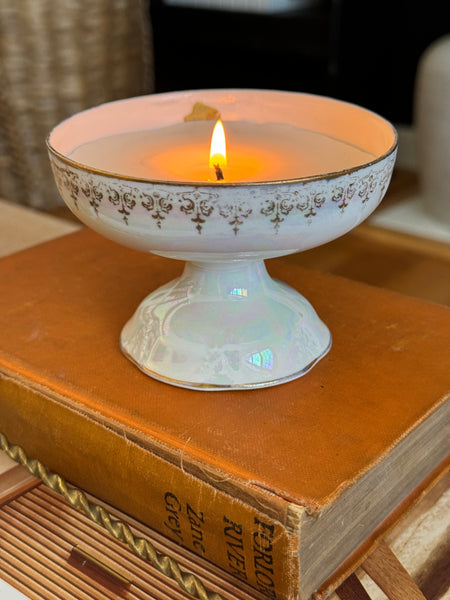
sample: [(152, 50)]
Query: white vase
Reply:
[(432, 121)]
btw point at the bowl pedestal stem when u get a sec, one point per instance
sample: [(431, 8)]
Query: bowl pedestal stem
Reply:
[(225, 325)]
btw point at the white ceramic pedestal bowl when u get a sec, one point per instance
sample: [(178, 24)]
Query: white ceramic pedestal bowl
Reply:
[(225, 324)]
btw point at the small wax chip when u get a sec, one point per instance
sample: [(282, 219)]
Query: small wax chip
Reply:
[(201, 111)]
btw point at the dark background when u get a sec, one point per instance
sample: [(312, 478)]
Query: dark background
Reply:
[(363, 51)]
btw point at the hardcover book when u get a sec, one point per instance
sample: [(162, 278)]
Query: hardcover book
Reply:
[(286, 488)]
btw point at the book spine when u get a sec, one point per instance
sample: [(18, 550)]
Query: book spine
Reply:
[(222, 528)]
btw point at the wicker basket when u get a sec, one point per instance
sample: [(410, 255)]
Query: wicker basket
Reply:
[(58, 57)]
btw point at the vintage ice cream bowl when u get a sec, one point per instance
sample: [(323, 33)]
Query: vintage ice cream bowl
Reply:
[(225, 323)]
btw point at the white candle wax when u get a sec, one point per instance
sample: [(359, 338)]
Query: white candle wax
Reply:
[(256, 152)]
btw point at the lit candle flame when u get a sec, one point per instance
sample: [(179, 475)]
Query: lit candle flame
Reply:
[(218, 151)]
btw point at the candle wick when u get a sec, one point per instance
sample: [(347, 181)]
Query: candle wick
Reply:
[(219, 172)]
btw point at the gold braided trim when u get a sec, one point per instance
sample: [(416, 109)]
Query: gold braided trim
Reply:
[(166, 565)]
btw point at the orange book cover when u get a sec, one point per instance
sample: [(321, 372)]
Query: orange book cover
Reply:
[(278, 486)]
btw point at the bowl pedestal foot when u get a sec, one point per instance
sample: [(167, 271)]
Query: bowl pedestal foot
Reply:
[(225, 325)]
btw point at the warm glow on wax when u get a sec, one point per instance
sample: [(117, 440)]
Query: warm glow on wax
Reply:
[(257, 152), (218, 151)]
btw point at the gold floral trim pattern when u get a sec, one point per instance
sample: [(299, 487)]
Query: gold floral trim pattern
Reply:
[(163, 202)]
